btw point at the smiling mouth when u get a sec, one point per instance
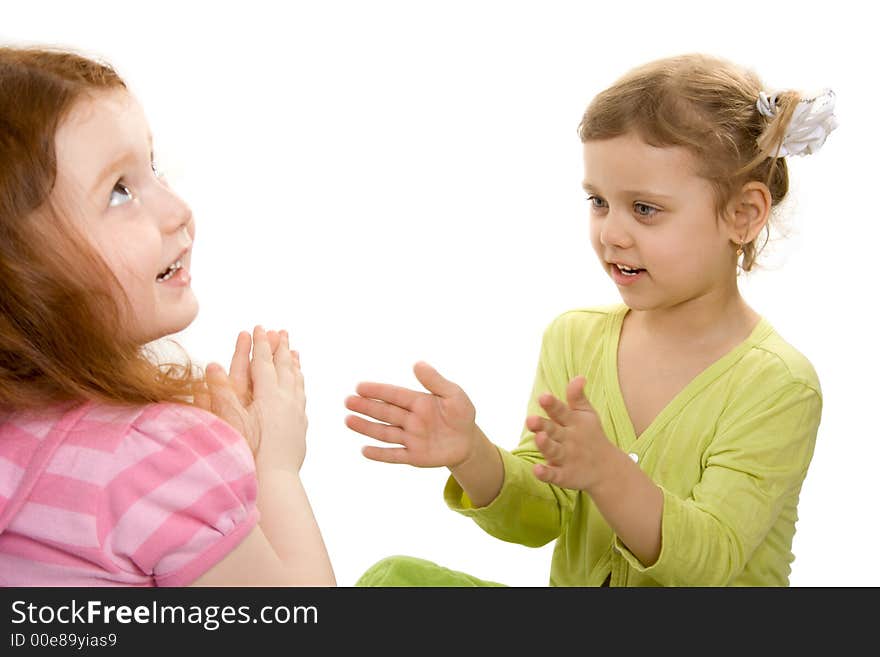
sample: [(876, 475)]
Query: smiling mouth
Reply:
[(168, 273), (627, 271), (173, 268)]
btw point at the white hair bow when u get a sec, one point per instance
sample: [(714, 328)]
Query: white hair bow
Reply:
[(811, 123)]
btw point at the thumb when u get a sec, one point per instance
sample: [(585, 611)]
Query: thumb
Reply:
[(201, 396), (433, 381), (225, 404), (224, 401), (574, 393)]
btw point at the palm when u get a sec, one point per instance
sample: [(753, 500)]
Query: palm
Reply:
[(426, 429), (435, 429)]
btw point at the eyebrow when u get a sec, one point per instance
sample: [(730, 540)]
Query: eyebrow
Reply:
[(114, 166), (629, 192)]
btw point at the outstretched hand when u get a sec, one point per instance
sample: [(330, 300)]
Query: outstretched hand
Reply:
[(570, 438), (434, 428)]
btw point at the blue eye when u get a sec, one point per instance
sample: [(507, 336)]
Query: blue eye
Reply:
[(596, 201), (645, 210), (120, 194)]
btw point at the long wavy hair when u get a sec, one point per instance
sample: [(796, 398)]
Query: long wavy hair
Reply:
[(707, 105), (62, 311)]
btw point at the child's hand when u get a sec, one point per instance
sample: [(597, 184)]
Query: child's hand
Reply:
[(239, 367), (239, 371), (435, 428), (273, 418), (571, 440)]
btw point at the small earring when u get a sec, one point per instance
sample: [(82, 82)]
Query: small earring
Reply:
[(739, 251)]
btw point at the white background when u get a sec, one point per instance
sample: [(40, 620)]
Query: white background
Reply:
[(395, 181)]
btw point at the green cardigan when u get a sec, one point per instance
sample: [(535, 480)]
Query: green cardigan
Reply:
[(729, 452)]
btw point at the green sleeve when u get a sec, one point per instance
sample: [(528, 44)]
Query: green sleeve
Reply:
[(526, 511), (757, 462)]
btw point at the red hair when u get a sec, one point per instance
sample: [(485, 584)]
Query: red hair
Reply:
[(61, 308)]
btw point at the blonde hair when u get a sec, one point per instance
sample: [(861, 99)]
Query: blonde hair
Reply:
[(707, 105)]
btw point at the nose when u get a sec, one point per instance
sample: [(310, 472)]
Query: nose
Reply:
[(613, 230), (173, 211)]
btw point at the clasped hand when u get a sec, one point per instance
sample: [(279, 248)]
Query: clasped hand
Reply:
[(263, 397)]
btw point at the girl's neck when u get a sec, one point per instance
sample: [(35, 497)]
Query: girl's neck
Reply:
[(706, 320)]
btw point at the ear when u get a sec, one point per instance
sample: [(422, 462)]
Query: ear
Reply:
[(748, 212)]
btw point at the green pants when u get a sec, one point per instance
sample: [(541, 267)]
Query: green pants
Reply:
[(410, 571)]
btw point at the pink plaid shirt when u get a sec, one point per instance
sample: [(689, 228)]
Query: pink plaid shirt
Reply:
[(105, 495)]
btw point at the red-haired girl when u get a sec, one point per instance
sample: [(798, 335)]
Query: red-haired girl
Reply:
[(116, 469)]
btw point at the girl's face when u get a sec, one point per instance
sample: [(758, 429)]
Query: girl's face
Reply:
[(651, 214), (107, 176)]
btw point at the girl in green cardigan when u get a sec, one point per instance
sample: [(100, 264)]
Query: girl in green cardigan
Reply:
[(667, 438)]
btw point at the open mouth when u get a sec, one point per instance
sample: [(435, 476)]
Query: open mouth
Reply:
[(170, 271), (627, 270)]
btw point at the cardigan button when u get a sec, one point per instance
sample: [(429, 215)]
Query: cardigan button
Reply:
[(634, 456)]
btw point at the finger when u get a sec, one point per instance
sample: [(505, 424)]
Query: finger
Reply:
[(403, 397), (274, 338), (383, 432), (226, 405), (239, 367), (433, 381), (262, 367), (388, 413), (215, 375), (574, 393), (297, 370), (551, 449), (224, 402), (536, 423), (387, 454), (556, 410), (283, 359), (202, 396), (546, 473)]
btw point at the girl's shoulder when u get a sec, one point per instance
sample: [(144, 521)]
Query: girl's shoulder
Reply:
[(165, 431), (772, 358), (168, 421), (160, 491), (113, 434)]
